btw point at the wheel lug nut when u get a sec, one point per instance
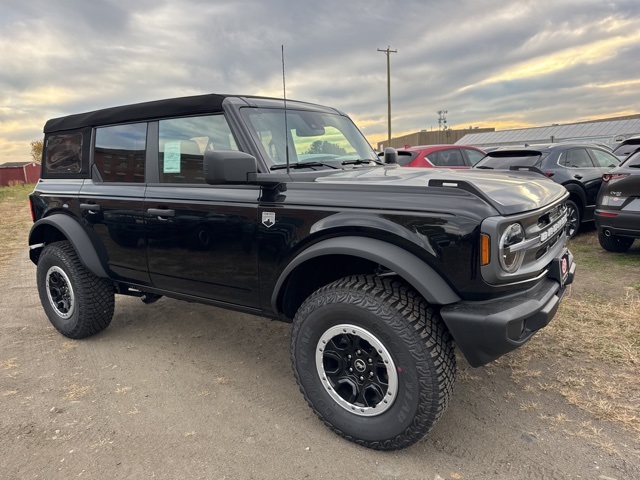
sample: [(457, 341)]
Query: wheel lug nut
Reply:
[(361, 378), (358, 352), (350, 369)]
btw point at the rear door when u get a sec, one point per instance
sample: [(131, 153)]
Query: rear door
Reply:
[(201, 238), (111, 203)]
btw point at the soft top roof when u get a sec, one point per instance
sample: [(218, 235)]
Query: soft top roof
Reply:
[(209, 103)]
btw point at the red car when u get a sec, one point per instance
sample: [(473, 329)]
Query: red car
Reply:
[(445, 156)]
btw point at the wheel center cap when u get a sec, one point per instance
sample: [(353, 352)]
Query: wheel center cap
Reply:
[(360, 365)]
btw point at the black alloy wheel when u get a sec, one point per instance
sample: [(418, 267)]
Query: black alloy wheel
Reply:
[(573, 218)]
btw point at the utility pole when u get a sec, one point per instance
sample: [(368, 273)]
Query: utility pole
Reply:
[(388, 51), (442, 123)]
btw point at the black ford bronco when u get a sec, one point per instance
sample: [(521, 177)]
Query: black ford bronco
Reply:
[(282, 209)]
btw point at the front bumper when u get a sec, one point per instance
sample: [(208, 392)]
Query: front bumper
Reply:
[(487, 330)]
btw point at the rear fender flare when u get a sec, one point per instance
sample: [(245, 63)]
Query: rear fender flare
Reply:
[(413, 270), (77, 236)]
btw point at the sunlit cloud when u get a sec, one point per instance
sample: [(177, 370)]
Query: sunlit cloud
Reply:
[(587, 54)]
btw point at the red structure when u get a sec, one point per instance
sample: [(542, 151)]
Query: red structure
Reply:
[(14, 173)]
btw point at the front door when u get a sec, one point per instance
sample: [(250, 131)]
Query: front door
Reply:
[(201, 239)]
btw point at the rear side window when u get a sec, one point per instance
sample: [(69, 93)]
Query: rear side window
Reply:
[(63, 153), (119, 153)]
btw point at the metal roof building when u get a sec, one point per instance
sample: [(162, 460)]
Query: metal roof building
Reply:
[(609, 132)]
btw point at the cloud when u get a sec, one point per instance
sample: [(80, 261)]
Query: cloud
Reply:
[(487, 63)]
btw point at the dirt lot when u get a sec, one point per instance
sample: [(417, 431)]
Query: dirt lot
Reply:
[(178, 390)]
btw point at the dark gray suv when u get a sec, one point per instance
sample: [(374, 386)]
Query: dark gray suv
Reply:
[(578, 167), (618, 209)]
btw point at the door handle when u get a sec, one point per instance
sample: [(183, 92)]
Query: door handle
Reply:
[(90, 207), (161, 212), (579, 177)]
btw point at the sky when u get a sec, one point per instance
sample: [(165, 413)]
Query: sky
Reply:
[(488, 63)]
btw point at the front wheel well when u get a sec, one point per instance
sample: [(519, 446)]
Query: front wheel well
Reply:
[(318, 272)]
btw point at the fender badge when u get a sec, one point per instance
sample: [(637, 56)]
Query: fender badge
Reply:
[(268, 219)]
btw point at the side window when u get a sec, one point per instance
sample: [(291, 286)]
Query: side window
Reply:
[(119, 152), (448, 158), (63, 153), (182, 143), (578, 158), (433, 158), (474, 155), (604, 159)]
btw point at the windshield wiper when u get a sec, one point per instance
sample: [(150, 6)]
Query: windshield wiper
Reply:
[(303, 165), (361, 161)]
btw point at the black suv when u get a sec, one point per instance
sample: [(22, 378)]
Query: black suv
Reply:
[(282, 209), (618, 207), (578, 167)]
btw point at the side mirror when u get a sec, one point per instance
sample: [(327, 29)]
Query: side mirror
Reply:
[(390, 156), (228, 167)]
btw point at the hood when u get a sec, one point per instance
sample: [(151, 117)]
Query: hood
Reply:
[(509, 192)]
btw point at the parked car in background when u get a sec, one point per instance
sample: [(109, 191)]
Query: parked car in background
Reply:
[(627, 147), (617, 215), (579, 167), (447, 156)]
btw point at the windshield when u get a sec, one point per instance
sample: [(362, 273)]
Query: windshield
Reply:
[(510, 159), (313, 138)]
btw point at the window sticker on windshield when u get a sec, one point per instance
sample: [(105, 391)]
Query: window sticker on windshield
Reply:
[(171, 157)]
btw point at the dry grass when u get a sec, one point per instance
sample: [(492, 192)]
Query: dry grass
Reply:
[(590, 353), (15, 220)]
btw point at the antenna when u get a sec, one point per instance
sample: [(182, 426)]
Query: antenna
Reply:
[(286, 127)]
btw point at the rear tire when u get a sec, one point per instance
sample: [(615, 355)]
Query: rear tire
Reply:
[(373, 360), (614, 243), (78, 303)]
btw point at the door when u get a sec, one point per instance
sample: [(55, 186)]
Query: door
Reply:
[(201, 238), (111, 204)]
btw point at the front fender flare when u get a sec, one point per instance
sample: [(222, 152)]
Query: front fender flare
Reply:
[(416, 272), (77, 236)]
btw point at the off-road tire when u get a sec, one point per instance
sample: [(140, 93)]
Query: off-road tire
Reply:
[(78, 303), (418, 345), (615, 243)]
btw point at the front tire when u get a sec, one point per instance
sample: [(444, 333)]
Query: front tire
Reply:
[(78, 303), (373, 360)]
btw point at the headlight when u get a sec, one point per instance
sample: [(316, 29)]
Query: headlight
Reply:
[(511, 261)]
